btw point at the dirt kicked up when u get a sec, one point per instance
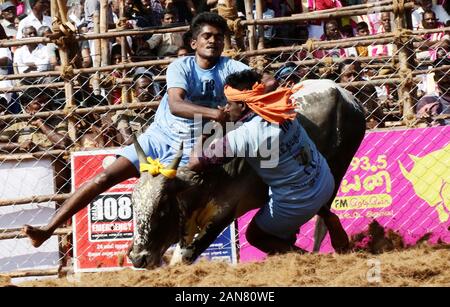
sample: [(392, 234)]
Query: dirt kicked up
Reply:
[(379, 259)]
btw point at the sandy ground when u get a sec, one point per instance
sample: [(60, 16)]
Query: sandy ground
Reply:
[(421, 265)]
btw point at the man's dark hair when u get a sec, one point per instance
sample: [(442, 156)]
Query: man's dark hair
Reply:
[(349, 62), (362, 25), (169, 11), (32, 93), (208, 18), (428, 12), (243, 80)]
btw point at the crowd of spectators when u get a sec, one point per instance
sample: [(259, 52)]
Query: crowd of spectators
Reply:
[(31, 18)]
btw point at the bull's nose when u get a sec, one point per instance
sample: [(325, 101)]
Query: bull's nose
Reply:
[(138, 262)]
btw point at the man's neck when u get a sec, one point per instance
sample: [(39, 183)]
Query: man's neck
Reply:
[(205, 63)]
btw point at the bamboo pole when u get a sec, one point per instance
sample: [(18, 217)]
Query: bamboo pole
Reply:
[(248, 22), (34, 155), (44, 272), (318, 15), (335, 60), (34, 199), (97, 60), (168, 61), (405, 59), (123, 50), (350, 8), (251, 28), (320, 45), (104, 29), (259, 15), (82, 111), (19, 88), (17, 234)]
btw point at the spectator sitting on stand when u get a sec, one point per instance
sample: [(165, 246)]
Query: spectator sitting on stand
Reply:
[(32, 57), (36, 18), (350, 71), (332, 32), (433, 105), (166, 43), (8, 17), (38, 134), (362, 29), (424, 5)]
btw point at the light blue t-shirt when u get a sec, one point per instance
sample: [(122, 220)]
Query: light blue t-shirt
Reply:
[(283, 156), (203, 87)]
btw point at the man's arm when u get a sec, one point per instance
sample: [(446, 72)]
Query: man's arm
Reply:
[(180, 106), (59, 140)]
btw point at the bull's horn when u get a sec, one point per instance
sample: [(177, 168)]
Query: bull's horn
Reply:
[(414, 158), (405, 173), (139, 150), (176, 161)]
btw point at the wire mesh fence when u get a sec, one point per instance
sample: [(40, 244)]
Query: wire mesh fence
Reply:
[(57, 109)]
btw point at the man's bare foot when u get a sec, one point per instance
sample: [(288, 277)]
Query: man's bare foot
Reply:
[(338, 236), (36, 235)]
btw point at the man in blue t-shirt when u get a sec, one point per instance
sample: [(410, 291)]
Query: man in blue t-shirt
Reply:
[(194, 89), (278, 148)]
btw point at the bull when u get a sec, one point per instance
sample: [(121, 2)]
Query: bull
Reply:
[(193, 209)]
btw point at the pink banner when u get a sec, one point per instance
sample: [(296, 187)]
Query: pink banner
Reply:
[(400, 178)]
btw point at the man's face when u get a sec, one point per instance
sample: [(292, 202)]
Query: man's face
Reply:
[(42, 5), (9, 14), (182, 52), (386, 21), (332, 31), (209, 42), (29, 32), (117, 58), (349, 73), (270, 82), (143, 89), (429, 21), (168, 19), (235, 110), (363, 32), (36, 105)]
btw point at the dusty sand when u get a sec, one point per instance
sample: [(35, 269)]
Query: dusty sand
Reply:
[(422, 265), (375, 250)]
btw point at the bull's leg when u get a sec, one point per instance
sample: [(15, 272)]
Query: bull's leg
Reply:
[(177, 255), (207, 236), (320, 231), (338, 236)]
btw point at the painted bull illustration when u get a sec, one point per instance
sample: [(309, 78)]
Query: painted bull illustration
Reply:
[(193, 209), (430, 177)]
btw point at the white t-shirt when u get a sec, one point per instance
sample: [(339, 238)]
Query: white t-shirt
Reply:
[(416, 16), (5, 53), (31, 20), (39, 56)]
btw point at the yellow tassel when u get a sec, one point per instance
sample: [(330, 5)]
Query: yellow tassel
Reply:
[(154, 167)]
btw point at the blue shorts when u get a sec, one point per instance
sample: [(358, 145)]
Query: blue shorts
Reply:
[(155, 146), (283, 218)]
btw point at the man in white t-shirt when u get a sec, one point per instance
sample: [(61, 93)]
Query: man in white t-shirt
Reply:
[(36, 18), (416, 15), (5, 61), (32, 57)]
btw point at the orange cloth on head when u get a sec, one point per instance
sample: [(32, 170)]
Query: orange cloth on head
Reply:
[(275, 107)]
